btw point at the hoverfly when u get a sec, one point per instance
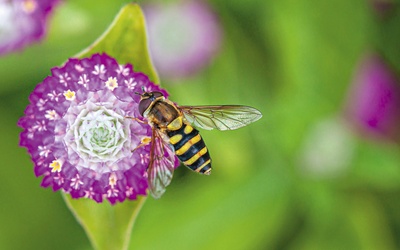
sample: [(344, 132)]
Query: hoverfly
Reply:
[(173, 134)]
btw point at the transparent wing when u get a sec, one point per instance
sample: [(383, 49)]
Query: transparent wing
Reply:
[(161, 165), (224, 117)]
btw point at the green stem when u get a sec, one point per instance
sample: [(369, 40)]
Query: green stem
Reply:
[(108, 227)]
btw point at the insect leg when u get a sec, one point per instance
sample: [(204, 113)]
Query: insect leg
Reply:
[(144, 142), (135, 119)]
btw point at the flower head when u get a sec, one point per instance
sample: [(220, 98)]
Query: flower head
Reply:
[(22, 22), (183, 36), (374, 99), (77, 131)]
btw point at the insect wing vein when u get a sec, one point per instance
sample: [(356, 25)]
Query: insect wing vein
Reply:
[(161, 166), (225, 117)]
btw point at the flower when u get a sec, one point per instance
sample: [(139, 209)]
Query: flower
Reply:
[(22, 22), (374, 99), (383, 7), (183, 36), (327, 149), (77, 131)]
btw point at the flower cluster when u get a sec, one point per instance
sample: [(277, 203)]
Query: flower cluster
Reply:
[(22, 22), (78, 130)]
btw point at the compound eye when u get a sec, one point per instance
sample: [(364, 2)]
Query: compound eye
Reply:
[(157, 94), (143, 105)]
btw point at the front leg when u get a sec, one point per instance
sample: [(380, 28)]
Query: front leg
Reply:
[(136, 119)]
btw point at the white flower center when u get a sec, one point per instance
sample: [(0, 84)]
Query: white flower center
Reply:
[(97, 135)]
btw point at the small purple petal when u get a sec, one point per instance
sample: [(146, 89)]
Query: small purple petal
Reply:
[(76, 131), (22, 22), (184, 36)]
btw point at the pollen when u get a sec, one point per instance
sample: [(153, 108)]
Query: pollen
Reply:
[(112, 83), (55, 166), (146, 140), (112, 181), (69, 95), (51, 114)]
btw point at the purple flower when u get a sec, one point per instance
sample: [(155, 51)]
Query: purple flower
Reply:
[(77, 131), (22, 22), (184, 36), (374, 98), (382, 7)]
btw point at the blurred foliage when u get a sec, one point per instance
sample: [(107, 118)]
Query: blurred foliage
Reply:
[(293, 60)]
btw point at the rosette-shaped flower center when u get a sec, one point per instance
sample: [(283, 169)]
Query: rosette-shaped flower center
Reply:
[(79, 132), (97, 134)]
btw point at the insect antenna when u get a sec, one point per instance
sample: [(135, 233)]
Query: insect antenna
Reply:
[(137, 93)]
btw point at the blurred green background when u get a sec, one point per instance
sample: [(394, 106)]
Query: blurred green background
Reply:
[(301, 178)]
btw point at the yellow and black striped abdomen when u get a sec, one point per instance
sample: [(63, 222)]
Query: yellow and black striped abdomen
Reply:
[(190, 148)]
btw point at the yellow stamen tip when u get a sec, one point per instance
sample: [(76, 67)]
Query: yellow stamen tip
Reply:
[(112, 83), (55, 166), (69, 95)]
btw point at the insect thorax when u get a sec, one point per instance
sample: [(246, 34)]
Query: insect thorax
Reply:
[(163, 113)]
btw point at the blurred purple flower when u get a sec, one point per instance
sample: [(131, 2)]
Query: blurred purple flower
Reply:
[(374, 98), (76, 131), (22, 22), (382, 7), (184, 36)]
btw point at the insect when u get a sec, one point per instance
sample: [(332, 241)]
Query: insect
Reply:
[(173, 134)]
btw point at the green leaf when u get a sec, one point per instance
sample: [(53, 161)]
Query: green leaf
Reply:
[(126, 41), (109, 227)]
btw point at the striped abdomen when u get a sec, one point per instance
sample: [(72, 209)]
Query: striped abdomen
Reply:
[(190, 148)]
